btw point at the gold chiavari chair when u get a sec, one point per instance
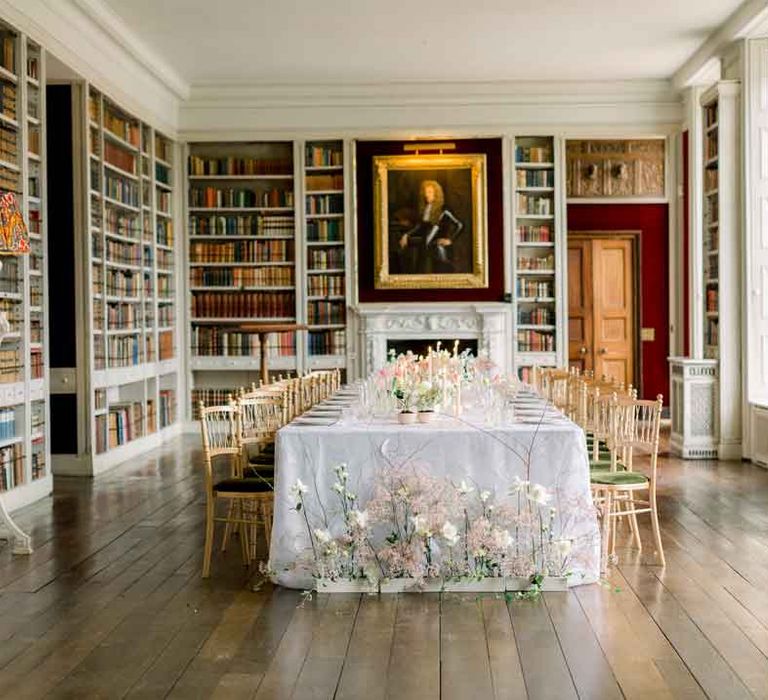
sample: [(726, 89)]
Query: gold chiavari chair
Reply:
[(636, 428), (220, 428)]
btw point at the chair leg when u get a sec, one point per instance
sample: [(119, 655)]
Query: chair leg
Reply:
[(266, 510), (244, 548), (607, 505), (656, 530), (228, 526), (633, 524), (208, 550)]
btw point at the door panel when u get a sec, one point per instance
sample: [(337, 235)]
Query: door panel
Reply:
[(579, 305), (601, 313), (612, 308)]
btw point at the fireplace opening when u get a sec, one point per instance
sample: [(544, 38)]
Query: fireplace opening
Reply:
[(419, 346)]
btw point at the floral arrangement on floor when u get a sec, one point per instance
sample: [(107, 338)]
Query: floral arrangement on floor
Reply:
[(422, 529)]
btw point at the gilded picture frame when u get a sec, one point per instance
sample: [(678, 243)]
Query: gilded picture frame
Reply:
[(430, 221)]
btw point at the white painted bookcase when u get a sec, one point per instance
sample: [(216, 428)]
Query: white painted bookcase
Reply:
[(23, 280)]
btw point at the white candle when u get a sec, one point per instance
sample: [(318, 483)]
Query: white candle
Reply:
[(456, 349)]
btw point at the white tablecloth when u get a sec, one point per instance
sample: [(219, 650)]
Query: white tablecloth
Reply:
[(456, 449)]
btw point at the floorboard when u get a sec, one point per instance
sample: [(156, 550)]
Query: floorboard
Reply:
[(111, 605)]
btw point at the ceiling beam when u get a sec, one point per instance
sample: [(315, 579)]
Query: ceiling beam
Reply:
[(749, 20)]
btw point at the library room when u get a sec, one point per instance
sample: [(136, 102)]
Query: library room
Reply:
[(351, 351)]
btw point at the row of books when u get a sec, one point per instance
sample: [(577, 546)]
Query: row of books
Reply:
[(9, 179), (8, 100), (325, 285), (529, 289), (162, 174), (36, 364), (535, 178), (165, 315), (319, 156), (163, 149), (533, 154), (541, 316), (121, 223), (325, 204), (121, 316), (9, 51), (10, 366), (164, 287), (212, 341), (242, 251), (116, 155), (322, 312), (711, 332), (710, 179), (33, 66), (11, 467), (121, 189), (529, 233), (122, 252), (7, 423), (712, 299), (325, 230), (240, 166), (712, 238), (241, 225), (237, 277), (164, 232), (711, 145), (535, 341), (535, 205), (240, 198), (164, 260), (165, 343), (243, 305), (333, 181), (712, 209), (545, 263), (38, 458), (710, 115), (330, 342), (325, 258), (167, 407), (9, 143), (122, 424), (122, 283), (124, 351), (121, 127), (163, 201)]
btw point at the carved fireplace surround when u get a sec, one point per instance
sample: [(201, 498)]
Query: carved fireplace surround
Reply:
[(487, 323)]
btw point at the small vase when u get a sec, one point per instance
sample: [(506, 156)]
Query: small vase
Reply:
[(406, 418), (426, 416)]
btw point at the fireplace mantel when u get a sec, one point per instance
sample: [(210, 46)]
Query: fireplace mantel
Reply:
[(487, 323)]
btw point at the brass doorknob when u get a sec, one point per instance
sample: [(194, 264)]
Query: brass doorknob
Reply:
[(583, 350), (603, 351)]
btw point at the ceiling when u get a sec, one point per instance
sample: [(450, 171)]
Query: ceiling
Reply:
[(339, 41)]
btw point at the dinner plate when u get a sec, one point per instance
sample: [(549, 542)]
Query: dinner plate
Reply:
[(314, 420)]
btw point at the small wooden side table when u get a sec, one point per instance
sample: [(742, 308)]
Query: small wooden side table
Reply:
[(263, 330)]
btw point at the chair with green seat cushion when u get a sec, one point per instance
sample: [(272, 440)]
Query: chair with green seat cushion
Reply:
[(618, 478)]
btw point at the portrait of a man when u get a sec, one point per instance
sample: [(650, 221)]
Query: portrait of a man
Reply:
[(430, 215)]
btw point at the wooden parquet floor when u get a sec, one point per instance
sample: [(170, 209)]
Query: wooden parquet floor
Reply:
[(111, 605)]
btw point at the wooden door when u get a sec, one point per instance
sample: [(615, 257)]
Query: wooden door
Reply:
[(580, 304), (601, 306)]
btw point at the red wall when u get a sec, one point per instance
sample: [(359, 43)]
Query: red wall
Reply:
[(652, 222)]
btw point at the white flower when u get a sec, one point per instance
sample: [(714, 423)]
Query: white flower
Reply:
[(465, 489), (322, 536), (518, 485), (539, 495), (562, 547), (359, 518), (502, 539), (419, 523), (298, 489), (341, 471), (450, 533), (350, 496), (338, 487), (485, 495)]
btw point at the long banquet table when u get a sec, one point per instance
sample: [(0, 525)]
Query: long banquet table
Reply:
[(459, 449)]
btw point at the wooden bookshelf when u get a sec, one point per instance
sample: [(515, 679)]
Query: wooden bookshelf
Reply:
[(131, 270), (537, 241), (325, 285), (243, 260), (25, 472)]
